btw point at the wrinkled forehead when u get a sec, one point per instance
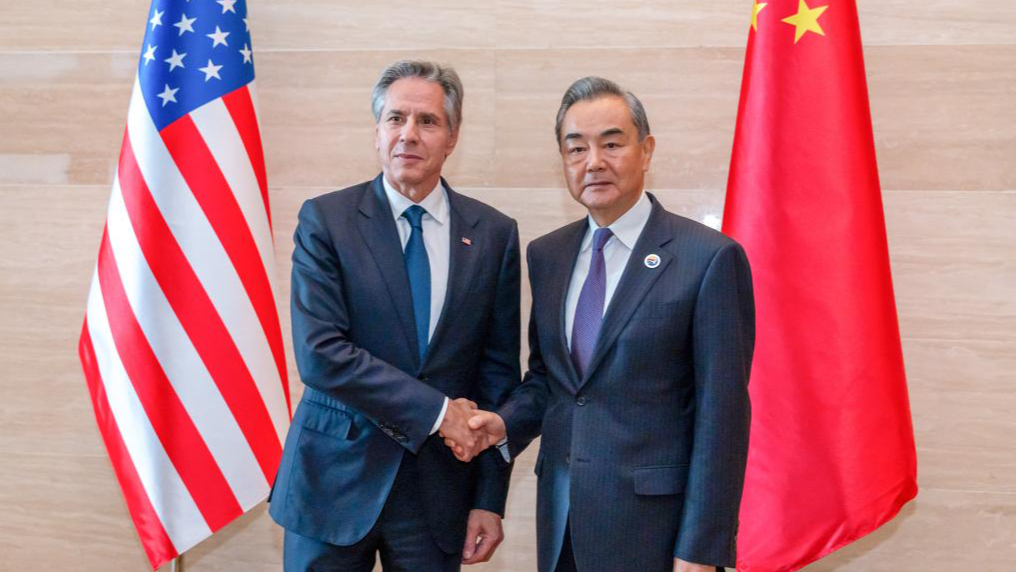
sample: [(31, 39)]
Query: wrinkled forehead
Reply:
[(602, 117), (415, 96)]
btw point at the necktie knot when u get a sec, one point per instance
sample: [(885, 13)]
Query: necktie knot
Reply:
[(600, 238), (414, 215)]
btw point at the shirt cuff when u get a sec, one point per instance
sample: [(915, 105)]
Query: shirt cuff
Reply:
[(441, 417), (503, 449)]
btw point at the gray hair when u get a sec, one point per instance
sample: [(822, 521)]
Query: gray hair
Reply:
[(590, 88), (446, 77)]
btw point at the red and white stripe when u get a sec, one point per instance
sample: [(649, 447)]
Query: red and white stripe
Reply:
[(182, 346)]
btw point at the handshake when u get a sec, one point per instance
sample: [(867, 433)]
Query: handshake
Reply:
[(468, 431)]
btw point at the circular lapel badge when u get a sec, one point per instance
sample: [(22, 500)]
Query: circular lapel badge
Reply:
[(651, 261)]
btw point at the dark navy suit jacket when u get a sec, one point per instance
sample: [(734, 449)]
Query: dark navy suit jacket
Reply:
[(646, 453), (368, 400)]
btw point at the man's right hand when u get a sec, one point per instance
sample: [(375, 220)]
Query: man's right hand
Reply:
[(490, 424), (465, 442)]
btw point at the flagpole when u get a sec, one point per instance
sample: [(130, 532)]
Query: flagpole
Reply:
[(177, 564)]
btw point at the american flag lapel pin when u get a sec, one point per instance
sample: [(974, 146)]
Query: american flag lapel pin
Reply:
[(467, 241)]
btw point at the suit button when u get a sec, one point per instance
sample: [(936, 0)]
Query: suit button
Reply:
[(581, 400), (568, 458)]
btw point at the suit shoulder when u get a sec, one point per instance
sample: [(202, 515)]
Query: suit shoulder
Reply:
[(556, 239), (704, 238), (482, 211), (338, 200)]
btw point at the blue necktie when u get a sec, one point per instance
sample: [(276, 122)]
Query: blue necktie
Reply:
[(590, 308), (418, 268)]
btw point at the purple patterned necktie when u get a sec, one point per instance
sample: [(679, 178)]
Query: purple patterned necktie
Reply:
[(590, 308)]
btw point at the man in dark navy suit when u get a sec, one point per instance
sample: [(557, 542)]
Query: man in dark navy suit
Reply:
[(641, 339), (405, 308)]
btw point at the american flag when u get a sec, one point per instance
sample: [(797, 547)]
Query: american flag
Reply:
[(181, 345)]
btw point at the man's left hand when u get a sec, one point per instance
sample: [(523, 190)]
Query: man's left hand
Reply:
[(683, 566), (483, 535)]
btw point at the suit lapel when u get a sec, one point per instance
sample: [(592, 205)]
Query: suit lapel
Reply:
[(463, 259), (381, 236), (635, 282), (558, 288)]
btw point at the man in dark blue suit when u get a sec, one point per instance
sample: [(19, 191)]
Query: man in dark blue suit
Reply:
[(641, 339), (405, 309)]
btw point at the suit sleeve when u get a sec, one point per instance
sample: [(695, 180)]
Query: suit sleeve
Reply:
[(723, 335), (402, 406), (523, 413), (499, 375)]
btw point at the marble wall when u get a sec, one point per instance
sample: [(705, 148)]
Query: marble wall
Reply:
[(941, 76)]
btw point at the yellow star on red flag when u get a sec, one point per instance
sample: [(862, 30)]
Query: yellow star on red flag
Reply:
[(806, 20), (756, 9)]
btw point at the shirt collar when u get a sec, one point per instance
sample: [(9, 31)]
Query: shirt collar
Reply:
[(435, 203), (628, 227)]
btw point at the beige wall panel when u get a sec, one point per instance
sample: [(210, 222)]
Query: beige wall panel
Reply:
[(65, 512), (69, 111), (395, 25), (90, 25), (953, 263), (50, 241), (46, 407), (660, 23), (963, 411), (319, 24), (940, 22), (629, 23), (941, 114)]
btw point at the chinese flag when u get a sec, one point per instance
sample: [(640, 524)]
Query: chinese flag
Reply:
[(831, 454)]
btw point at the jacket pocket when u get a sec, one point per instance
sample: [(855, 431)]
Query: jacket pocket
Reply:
[(660, 480), (326, 420)]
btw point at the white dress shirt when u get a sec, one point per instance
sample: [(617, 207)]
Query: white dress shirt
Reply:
[(436, 228), (617, 251)]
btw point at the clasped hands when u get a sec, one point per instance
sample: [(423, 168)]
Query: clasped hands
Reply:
[(468, 431)]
